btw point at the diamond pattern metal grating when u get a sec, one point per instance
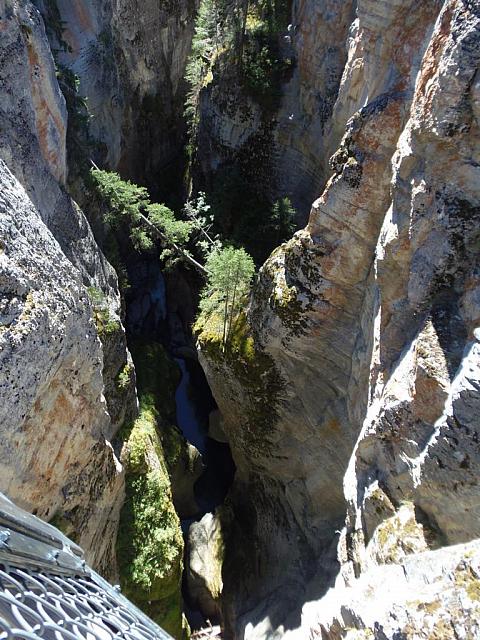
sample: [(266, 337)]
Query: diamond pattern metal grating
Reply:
[(47, 590)]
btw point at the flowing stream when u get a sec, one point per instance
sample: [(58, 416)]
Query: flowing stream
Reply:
[(148, 314), (191, 411)]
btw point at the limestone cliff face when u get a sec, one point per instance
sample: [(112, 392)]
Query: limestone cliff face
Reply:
[(284, 148), (56, 456), (56, 459), (67, 381), (130, 58), (350, 395), (357, 406)]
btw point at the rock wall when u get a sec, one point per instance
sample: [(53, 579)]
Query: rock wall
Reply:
[(434, 594), (284, 149), (56, 459), (350, 398), (130, 58), (350, 394), (56, 429)]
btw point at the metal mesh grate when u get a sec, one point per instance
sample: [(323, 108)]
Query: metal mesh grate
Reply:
[(48, 591), (46, 605)]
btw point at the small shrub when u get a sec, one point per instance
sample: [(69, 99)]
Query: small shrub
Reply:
[(104, 323), (125, 376)]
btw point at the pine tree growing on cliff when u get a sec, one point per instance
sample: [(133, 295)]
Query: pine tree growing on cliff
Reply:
[(128, 205), (230, 272), (216, 30)]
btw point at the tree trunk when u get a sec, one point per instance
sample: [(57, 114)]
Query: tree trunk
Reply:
[(243, 32), (232, 308), (181, 252)]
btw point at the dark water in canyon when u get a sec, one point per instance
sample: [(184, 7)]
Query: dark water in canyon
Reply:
[(194, 403), (164, 314)]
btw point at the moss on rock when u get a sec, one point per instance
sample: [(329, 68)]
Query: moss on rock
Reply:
[(398, 536), (254, 370), (150, 543)]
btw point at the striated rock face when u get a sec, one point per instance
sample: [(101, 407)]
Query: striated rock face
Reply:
[(55, 426), (79, 389), (419, 437), (306, 134), (350, 392), (130, 57), (356, 402), (284, 149)]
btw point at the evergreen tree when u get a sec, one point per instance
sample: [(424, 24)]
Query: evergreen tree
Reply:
[(128, 206), (282, 221), (199, 213), (230, 272), (216, 31)]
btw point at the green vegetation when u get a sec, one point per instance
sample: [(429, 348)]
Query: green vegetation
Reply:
[(150, 544), (245, 216), (230, 272), (126, 206), (104, 323), (264, 67), (242, 34), (198, 211), (238, 43), (78, 137), (245, 363), (124, 378), (215, 28)]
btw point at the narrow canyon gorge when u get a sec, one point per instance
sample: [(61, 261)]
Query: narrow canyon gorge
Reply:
[(240, 307)]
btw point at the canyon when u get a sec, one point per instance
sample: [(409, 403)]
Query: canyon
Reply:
[(336, 492)]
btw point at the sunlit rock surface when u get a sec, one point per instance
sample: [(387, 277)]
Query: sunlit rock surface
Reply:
[(55, 426), (435, 594), (359, 406), (56, 459), (351, 398), (204, 566)]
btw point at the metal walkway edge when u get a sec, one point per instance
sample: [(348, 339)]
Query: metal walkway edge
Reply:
[(48, 591)]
